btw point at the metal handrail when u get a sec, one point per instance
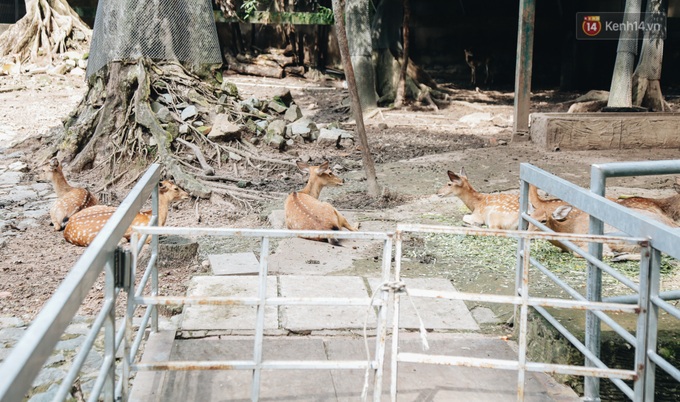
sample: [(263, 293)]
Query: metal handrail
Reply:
[(25, 361)]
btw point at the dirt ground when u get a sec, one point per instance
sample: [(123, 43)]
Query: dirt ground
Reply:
[(413, 149)]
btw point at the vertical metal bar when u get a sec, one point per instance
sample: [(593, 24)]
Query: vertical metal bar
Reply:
[(395, 318), (525, 52), (652, 323), (381, 330), (523, 225), (524, 316), (641, 332), (259, 328), (129, 313), (154, 252), (110, 329), (594, 289)]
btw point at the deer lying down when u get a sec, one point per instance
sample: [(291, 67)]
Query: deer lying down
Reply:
[(69, 199), (567, 219), (496, 211), (304, 211), (84, 226), (669, 206)]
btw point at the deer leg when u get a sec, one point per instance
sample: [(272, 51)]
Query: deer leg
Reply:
[(473, 220), (473, 75), (343, 223)]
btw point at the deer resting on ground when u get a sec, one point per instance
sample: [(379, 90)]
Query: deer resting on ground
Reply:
[(84, 226), (69, 199), (304, 211), (496, 211), (669, 206)]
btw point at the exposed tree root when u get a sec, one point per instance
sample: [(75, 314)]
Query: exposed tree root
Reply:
[(49, 28), (133, 115)]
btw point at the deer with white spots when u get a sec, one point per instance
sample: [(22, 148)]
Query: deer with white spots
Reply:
[(84, 226), (69, 199), (496, 211), (304, 211), (668, 206)]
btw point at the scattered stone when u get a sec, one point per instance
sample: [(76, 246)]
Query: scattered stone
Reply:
[(474, 119), (587, 107), (156, 106), (382, 126), (304, 128), (277, 127), (225, 130), (46, 396), (277, 107), (184, 128), (197, 123), (230, 89), (165, 98), (59, 69), (235, 157), (188, 112), (49, 375), (284, 97), (164, 115), (331, 135), (293, 113), (82, 64), (18, 167), (261, 125), (275, 140)]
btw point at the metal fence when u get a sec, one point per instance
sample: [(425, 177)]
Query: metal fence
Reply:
[(25, 361)]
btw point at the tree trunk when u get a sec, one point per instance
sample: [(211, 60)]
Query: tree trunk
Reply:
[(401, 88), (646, 86), (359, 42), (620, 94), (49, 28), (369, 167)]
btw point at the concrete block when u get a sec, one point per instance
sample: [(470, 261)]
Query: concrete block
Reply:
[(234, 264), (324, 317), (436, 313), (231, 316)]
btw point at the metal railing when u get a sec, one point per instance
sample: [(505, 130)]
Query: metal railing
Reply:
[(137, 299), (659, 239), (25, 361)]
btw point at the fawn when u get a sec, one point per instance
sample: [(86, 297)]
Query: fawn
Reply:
[(84, 226), (478, 61), (669, 206), (304, 211), (496, 211), (69, 199)]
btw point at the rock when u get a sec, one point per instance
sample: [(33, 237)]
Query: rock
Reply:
[(60, 69), (587, 107), (261, 125), (595, 95), (18, 167), (275, 140), (235, 157), (284, 97), (303, 128), (331, 135), (82, 63), (165, 98), (293, 113), (156, 106), (188, 112), (71, 63), (197, 123), (230, 89), (175, 249), (474, 119), (382, 126), (225, 130), (277, 127), (184, 128), (277, 107), (164, 115)]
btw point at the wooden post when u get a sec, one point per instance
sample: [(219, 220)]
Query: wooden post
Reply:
[(525, 52)]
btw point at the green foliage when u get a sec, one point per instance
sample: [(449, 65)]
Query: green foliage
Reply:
[(326, 15)]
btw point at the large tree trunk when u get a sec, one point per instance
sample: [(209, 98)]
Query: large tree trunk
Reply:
[(646, 86), (49, 28), (359, 42), (621, 93)]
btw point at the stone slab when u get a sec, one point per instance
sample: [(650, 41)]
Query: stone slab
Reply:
[(234, 264), (296, 318), (158, 348), (416, 382), (586, 131), (442, 314), (232, 316)]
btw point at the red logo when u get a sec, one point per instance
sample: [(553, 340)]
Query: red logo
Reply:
[(591, 25)]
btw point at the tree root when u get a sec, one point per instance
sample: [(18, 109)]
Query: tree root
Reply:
[(117, 131)]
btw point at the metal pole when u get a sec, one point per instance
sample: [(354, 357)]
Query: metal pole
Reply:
[(110, 331), (525, 52), (259, 327), (641, 332), (395, 318), (154, 252), (523, 225), (594, 290), (652, 323), (381, 330)]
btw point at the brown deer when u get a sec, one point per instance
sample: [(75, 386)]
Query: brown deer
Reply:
[(669, 206), (304, 211), (69, 199), (478, 61), (496, 211), (84, 226), (567, 219)]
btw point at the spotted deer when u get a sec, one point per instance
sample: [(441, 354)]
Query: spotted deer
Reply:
[(567, 219), (478, 61), (496, 211), (69, 199), (304, 211), (84, 226)]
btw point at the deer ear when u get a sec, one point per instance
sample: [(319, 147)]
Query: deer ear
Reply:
[(561, 213), (462, 172), (302, 166), (324, 166), (453, 177)]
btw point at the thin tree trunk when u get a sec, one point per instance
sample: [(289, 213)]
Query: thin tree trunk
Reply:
[(401, 88), (369, 167), (646, 86)]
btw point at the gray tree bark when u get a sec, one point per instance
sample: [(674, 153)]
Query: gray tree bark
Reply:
[(358, 26), (646, 85), (621, 92)]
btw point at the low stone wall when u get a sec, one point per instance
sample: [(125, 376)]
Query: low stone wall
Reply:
[(582, 131)]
